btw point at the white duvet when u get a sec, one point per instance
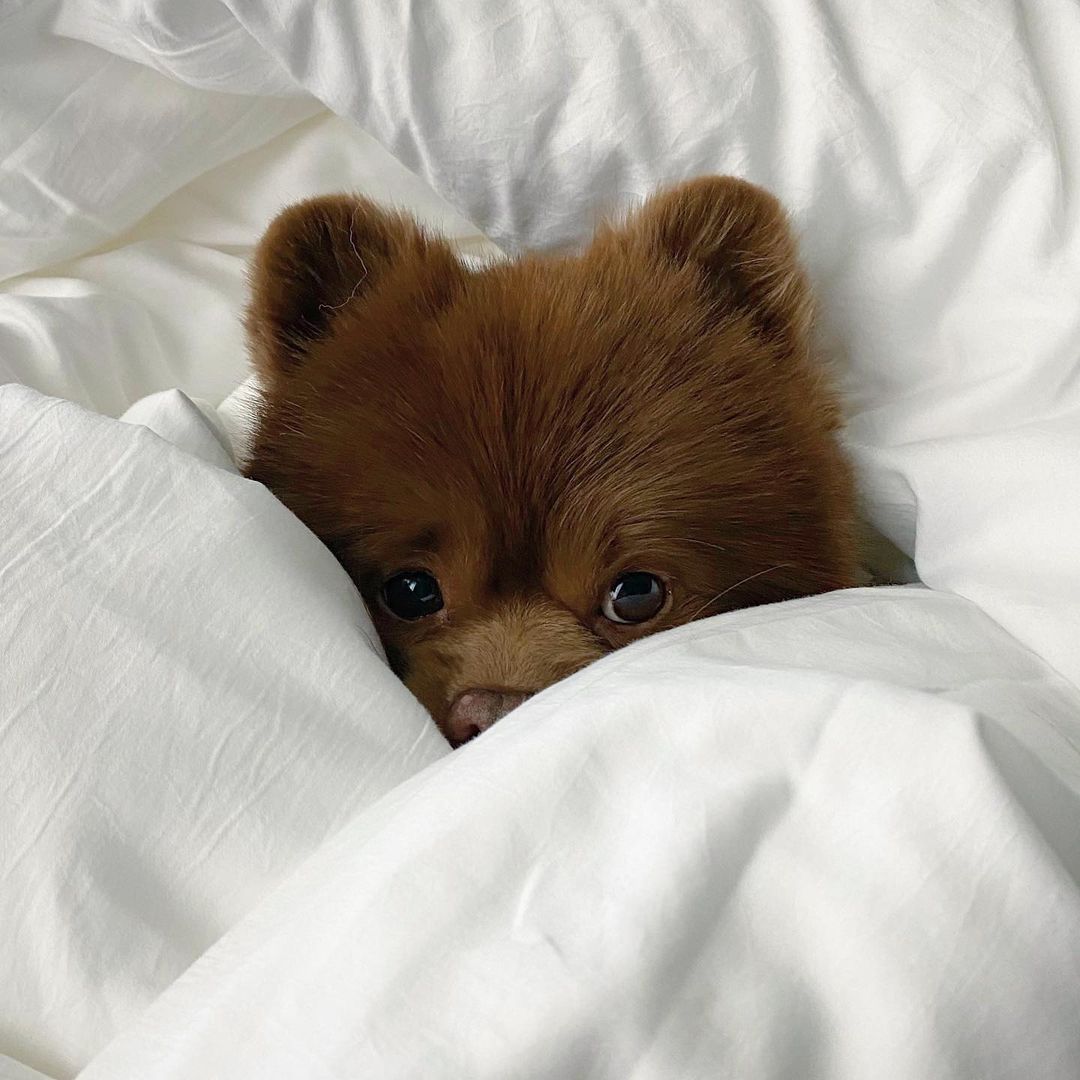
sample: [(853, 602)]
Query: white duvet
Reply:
[(835, 838)]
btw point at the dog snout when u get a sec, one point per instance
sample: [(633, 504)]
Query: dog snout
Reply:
[(475, 711)]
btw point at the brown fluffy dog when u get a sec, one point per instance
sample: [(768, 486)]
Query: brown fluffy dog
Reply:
[(526, 466)]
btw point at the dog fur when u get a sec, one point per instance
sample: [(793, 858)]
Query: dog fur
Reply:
[(530, 430)]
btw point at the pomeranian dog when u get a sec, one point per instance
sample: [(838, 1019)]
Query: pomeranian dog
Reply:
[(527, 465)]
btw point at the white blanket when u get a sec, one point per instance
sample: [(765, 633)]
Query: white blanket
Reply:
[(834, 838), (746, 849), (192, 698)]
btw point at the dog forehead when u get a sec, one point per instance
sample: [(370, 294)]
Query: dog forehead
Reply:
[(543, 343), (548, 402), (511, 458)]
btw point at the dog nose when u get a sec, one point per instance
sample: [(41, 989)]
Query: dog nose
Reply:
[(476, 710)]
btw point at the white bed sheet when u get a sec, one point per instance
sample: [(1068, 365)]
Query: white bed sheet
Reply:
[(130, 204), (827, 839), (820, 840), (192, 699), (159, 305)]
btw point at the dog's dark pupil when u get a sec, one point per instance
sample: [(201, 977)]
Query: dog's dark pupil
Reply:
[(412, 594), (636, 596)]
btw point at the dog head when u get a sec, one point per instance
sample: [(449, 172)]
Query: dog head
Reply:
[(528, 465)]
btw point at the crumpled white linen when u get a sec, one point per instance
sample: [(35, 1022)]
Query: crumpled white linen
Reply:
[(831, 838), (90, 142), (160, 307), (192, 697)]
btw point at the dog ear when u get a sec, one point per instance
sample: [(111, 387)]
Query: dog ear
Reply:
[(314, 259), (739, 238)]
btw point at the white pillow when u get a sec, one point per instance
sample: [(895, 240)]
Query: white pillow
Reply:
[(192, 697)]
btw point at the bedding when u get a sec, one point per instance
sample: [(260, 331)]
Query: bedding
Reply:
[(831, 838), (193, 697), (164, 297), (797, 842)]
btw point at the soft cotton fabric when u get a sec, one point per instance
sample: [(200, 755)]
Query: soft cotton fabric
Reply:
[(192, 698), (820, 840)]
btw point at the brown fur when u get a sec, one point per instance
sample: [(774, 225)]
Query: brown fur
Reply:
[(528, 431)]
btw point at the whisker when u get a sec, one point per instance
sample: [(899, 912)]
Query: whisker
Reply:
[(703, 543), (363, 266), (352, 296), (749, 577)]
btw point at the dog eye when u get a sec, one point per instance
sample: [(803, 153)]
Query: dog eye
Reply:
[(634, 597), (411, 594)]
